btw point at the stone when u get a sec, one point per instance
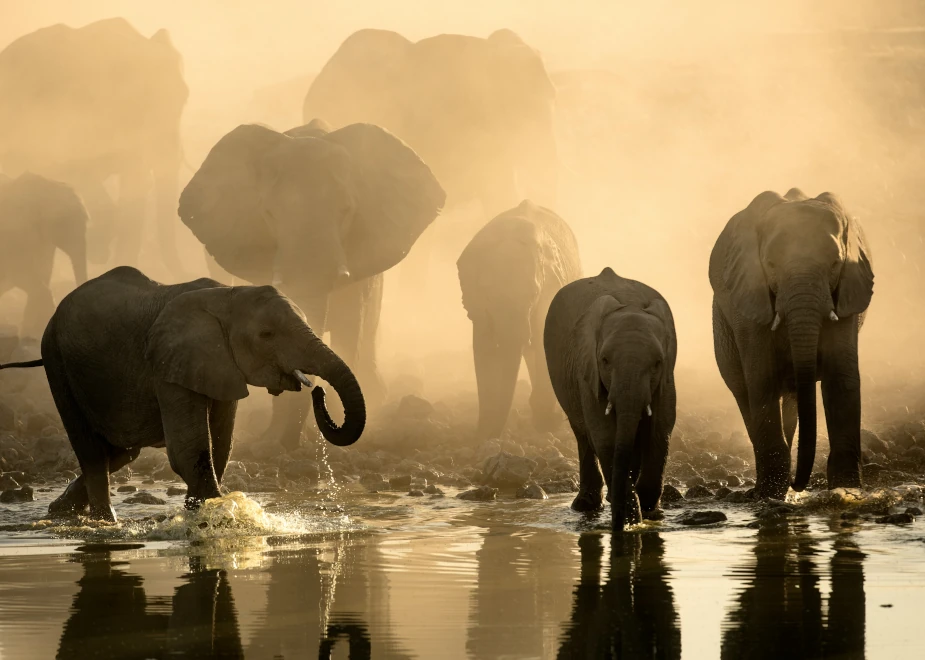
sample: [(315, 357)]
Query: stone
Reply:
[(532, 491), (737, 497), (693, 482), (433, 490), (143, 497), (904, 518), (415, 493), (721, 493), (148, 482), (126, 489), (7, 482), (916, 454), (559, 486), (165, 474), (872, 471), (914, 511), (505, 470), (233, 483), (698, 492), (371, 479), (872, 442), (480, 494), (670, 494), (175, 490), (414, 407), (18, 496), (301, 469), (701, 517), (732, 481), (401, 483)]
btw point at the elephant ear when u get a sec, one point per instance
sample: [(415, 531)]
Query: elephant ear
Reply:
[(856, 285), (660, 309), (187, 346), (589, 338), (397, 198), (743, 275), (222, 203)]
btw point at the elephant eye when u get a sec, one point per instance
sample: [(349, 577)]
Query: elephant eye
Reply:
[(605, 361), (266, 334)]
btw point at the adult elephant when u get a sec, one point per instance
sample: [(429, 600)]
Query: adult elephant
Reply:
[(804, 264), (321, 215), (37, 217), (93, 103), (508, 274), (132, 363)]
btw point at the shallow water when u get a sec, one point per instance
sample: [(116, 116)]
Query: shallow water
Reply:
[(387, 576)]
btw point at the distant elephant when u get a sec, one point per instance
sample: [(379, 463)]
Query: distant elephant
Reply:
[(321, 215), (86, 104), (132, 363), (804, 263), (611, 349), (38, 216), (508, 274)]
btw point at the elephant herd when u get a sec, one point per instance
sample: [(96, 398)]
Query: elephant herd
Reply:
[(313, 216)]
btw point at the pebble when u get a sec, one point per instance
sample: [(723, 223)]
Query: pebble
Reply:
[(733, 481), (126, 489), (480, 494), (23, 494), (701, 517), (143, 497), (670, 494), (176, 490), (897, 519), (433, 490), (532, 491), (914, 511), (722, 493)]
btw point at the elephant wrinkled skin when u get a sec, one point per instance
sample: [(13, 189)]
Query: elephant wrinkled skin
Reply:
[(792, 279), (611, 349), (508, 274)]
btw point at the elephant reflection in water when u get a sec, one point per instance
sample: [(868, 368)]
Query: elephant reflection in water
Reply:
[(780, 612), (632, 614), (112, 617)]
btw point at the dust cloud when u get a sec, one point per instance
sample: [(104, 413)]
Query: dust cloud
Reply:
[(671, 117)]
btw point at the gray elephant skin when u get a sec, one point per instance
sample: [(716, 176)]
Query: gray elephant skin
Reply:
[(100, 101), (792, 279), (509, 273), (321, 215), (611, 349), (37, 217), (132, 363)]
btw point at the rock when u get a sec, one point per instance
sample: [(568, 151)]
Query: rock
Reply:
[(670, 494), (401, 483), (371, 479), (717, 473), (143, 497), (414, 407), (872, 442), (698, 492), (916, 454), (480, 494), (23, 494), (914, 511), (737, 497), (558, 486), (415, 493), (165, 474), (872, 471), (903, 440), (904, 518), (7, 482), (233, 483), (175, 490), (148, 482), (433, 490), (126, 489), (301, 469), (7, 417), (532, 491), (693, 482), (732, 481), (701, 517), (721, 493), (505, 470)]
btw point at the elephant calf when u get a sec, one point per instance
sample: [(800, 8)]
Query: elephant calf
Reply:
[(803, 263), (38, 216), (132, 363), (611, 349), (509, 273)]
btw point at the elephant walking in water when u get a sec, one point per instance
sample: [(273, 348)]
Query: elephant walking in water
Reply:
[(37, 217), (508, 274), (792, 279), (321, 215), (95, 103)]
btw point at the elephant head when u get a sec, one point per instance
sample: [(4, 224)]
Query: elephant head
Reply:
[(801, 262), (310, 210), (217, 340), (627, 353)]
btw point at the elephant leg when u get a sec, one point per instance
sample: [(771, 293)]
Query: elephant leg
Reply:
[(547, 415), (133, 189), (497, 361), (102, 227), (590, 480), (729, 362), (353, 319), (772, 454), (40, 306), (185, 417), (221, 425), (789, 415), (75, 499), (841, 398)]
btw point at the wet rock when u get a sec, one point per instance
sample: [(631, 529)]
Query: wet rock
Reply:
[(721, 493), (480, 494), (175, 490), (143, 497), (654, 514), (301, 469), (415, 493), (902, 440), (7, 482), (233, 483), (872, 471), (490, 448), (698, 492), (264, 485), (914, 511), (126, 489), (17, 496), (850, 515), (872, 442), (701, 517), (916, 454), (532, 491), (904, 518), (670, 494), (165, 474), (433, 490), (558, 486), (733, 481), (401, 483), (693, 482), (717, 473), (505, 470), (148, 482), (371, 479)]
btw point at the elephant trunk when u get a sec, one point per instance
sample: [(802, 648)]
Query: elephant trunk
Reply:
[(630, 404), (503, 356), (331, 368), (804, 309)]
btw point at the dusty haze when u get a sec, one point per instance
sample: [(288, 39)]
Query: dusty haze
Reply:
[(672, 116)]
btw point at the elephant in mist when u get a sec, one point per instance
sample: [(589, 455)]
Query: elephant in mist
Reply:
[(321, 215), (84, 105), (792, 279), (508, 274), (611, 349), (132, 363), (37, 217)]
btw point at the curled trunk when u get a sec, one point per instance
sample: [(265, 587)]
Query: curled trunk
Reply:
[(803, 326), (332, 369)]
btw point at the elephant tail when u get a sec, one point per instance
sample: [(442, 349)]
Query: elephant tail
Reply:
[(22, 365)]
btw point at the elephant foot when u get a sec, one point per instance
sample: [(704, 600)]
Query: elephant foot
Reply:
[(843, 473), (588, 502), (103, 512), (772, 489), (654, 514), (73, 501)]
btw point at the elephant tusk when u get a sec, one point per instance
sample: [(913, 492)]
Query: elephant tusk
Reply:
[(343, 272), (833, 316), (776, 322), (649, 410), (608, 408), (302, 378)]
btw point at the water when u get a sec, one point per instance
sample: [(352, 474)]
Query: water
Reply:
[(388, 576)]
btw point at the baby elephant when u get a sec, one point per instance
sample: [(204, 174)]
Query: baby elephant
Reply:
[(132, 363), (611, 350), (509, 273)]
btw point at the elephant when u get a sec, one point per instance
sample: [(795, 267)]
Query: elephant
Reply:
[(611, 349), (508, 274), (101, 101), (132, 363), (38, 216), (321, 215), (804, 263)]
